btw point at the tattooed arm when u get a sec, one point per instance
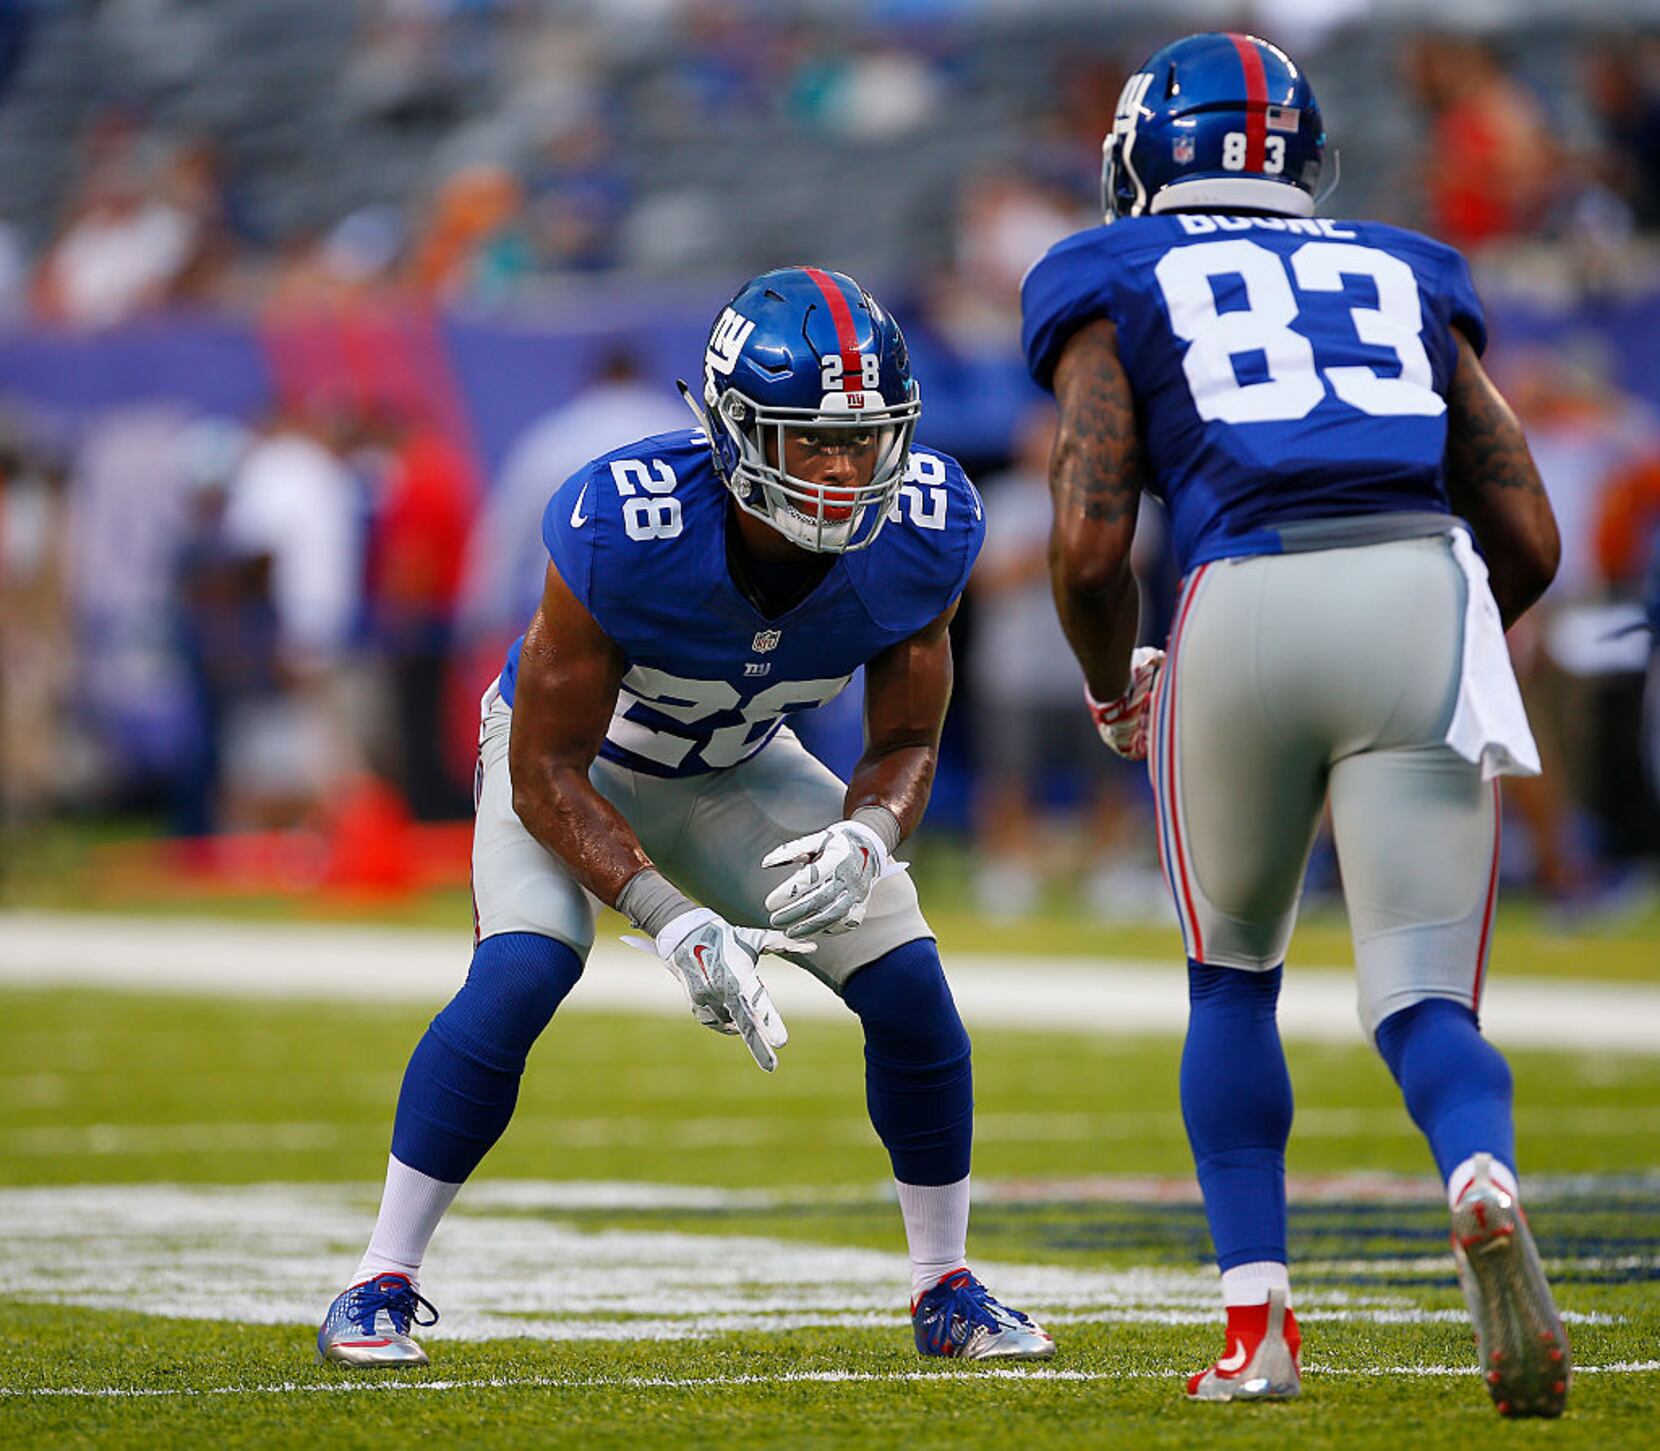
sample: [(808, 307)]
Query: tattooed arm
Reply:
[(1095, 486), (1492, 482)]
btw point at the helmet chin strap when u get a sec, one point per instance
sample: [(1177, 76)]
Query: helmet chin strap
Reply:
[(699, 412)]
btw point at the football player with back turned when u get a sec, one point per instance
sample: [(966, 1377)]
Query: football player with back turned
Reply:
[(703, 585), (1357, 518)]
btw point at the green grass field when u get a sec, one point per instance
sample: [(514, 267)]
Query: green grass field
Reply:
[(670, 1249)]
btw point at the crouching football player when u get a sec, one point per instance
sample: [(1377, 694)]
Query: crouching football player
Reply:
[(702, 585)]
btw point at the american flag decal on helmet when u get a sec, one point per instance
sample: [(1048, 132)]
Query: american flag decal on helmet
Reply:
[(1284, 118)]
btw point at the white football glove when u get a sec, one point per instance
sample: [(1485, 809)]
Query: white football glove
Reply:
[(1124, 722), (715, 963), (839, 867)]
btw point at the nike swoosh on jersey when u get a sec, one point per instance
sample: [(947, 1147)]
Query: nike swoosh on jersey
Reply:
[(578, 518), (1234, 1362)]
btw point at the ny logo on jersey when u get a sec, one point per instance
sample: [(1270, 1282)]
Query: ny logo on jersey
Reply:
[(766, 640), (727, 341)]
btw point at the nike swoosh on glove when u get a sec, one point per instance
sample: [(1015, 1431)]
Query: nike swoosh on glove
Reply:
[(715, 963), (836, 872), (1123, 723)]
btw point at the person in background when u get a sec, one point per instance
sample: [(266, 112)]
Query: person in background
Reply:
[(502, 575), (1031, 743)]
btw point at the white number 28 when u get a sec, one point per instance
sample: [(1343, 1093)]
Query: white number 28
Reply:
[(1295, 384)]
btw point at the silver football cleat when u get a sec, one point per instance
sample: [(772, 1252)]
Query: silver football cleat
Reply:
[(369, 1324), (1525, 1357), (1271, 1373)]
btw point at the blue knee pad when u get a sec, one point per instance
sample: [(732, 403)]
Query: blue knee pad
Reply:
[(463, 1078), (1456, 1084), (919, 1082), (1236, 1103)]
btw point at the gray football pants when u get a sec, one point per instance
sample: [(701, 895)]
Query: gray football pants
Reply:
[(706, 833), (1297, 678)]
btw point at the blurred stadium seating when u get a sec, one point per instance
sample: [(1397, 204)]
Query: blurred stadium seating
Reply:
[(398, 227)]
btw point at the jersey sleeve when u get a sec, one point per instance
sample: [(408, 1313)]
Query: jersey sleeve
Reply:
[(1464, 310), (1072, 284), (570, 530)]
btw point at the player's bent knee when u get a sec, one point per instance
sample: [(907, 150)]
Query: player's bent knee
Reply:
[(514, 986), (906, 1007)]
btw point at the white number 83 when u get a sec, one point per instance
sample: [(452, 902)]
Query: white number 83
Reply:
[(1294, 384)]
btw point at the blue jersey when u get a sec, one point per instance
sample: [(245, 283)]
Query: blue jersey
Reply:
[(639, 536), (1283, 369)]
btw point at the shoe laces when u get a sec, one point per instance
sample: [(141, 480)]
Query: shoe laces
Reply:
[(394, 1294), (961, 1297)]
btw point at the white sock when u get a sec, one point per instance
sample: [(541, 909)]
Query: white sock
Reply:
[(936, 1229), (1250, 1284), (1459, 1180), (410, 1207)]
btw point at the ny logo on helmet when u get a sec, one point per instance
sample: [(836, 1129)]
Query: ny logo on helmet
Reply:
[(727, 341), (766, 640)]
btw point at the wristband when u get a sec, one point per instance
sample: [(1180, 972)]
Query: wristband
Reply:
[(651, 901), (881, 821)]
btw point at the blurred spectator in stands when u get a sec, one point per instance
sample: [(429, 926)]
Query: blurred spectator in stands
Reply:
[(123, 251), (578, 198), (417, 541), (1005, 222), (1491, 162), (193, 180), (1035, 746), (1585, 435), (476, 247), (1065, 138), (37, 646), (866, 88), (1622, 83), (226, 621), (294, 502), (506, 558), (716, 73)]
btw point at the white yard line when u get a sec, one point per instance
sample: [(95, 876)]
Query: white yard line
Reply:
[(990, 1375), (160, 1249), (386, 964)]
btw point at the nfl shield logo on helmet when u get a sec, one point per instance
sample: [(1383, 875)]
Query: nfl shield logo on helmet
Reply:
[(1181, 149), (766, 640)]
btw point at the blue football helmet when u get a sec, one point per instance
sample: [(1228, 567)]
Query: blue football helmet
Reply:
[(803, 348), (1214, 122)]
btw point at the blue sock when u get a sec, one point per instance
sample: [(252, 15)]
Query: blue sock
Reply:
[(1236, 1102), (1456, 1084), (463, 1078), (919, 1083)]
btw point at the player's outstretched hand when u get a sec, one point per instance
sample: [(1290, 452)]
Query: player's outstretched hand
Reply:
[(838, 868), (1124, 722), (715, 963)]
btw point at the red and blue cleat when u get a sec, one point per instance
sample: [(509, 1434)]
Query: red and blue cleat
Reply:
[(960, 1318), (369, 1324)]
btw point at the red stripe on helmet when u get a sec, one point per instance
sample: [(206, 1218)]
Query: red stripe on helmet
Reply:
[(846, 339), (1256, 101)]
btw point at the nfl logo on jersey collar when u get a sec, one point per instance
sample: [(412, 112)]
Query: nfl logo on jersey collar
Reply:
[(766, 640)]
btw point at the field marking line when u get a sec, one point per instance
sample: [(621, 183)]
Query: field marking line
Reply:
[(988, 1375)]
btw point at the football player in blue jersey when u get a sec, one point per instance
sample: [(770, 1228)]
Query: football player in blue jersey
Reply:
[(1356, 516), (701, 586)]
